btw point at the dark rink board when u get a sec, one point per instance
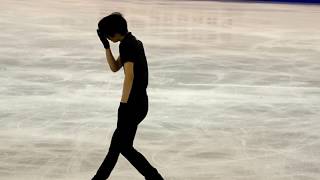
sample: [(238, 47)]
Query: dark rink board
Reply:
[(277, 1)]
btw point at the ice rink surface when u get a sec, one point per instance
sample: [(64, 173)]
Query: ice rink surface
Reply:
[(234, 90)]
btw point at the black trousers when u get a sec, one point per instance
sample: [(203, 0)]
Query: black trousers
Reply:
[(129, 117)]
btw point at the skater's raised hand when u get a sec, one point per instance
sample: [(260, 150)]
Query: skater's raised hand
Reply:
[(103, 39)]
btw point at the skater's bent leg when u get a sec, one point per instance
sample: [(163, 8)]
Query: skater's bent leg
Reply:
[(111, 158), (131, 154), (138, 161)]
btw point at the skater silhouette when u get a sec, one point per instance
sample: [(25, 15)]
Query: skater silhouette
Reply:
[(133, 106)]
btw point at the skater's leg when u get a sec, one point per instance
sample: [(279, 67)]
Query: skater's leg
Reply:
[(127, 135), (128, 120), (139, 162), (110, 160)]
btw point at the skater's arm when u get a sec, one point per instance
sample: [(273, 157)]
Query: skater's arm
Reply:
[(114, 65), (128, 80), (118, 64)]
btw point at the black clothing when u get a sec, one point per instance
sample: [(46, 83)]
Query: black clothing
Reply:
[(131, 49), (130, 114)]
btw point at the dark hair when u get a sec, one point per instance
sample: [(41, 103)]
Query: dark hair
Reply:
[(112, 24)]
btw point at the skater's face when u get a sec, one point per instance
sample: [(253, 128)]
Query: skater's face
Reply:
[(115, 38), (112, 38)]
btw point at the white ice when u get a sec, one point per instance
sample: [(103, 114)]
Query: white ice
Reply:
[(234, 90)]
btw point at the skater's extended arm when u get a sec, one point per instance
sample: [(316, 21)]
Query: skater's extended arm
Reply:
[(114, 65), (128, 80)]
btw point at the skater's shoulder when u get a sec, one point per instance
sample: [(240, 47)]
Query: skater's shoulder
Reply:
[(129, 37), (130, 41)]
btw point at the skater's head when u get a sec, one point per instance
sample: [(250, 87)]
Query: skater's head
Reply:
[(113, 26)]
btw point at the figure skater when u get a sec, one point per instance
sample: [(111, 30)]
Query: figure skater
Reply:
[(133, 106)]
